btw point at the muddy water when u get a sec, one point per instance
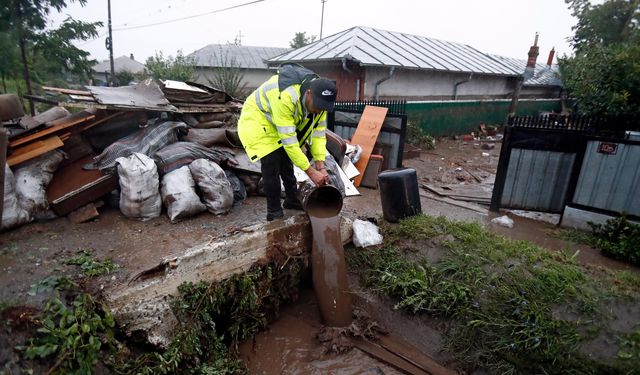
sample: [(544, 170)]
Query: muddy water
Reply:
[(545, 235), (329, 268), (290, 346)]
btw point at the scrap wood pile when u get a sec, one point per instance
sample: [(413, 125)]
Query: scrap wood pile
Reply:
[(141, 147)]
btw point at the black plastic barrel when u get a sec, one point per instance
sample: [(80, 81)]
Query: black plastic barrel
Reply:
[(399, 194)]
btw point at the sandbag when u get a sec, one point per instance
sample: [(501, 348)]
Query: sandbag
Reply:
[(181, 154), (213, 184), (179, 195), (145, 141), (210, 137), (239, 190), (334, 174), (12, 214), (139, 183), (31, 181)]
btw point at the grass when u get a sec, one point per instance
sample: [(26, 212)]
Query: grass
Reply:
[(89, 266), (515, 307)]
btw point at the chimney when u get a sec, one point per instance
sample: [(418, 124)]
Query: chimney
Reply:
[(551, 55), (531, 62), (131, 56)]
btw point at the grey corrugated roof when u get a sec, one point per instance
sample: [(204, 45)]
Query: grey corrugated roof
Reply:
[(375, 47), (247, 56), (543, 75), (122, 63)]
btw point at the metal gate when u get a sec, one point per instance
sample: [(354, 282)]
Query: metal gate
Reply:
[(547, 163)]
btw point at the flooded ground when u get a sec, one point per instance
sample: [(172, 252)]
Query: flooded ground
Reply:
[(31, 253)]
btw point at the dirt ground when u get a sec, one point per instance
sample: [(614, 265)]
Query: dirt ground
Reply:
[(35, 251)]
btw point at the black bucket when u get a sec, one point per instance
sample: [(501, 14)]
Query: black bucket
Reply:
[(399, 194)]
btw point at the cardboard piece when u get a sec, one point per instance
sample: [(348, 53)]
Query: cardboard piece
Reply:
[(366, 135)]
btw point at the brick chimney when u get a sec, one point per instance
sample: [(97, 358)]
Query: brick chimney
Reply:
[(131, 56), (531, 62), (551, 55)]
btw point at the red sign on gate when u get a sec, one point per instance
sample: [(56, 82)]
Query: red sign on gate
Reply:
[(607, 148)]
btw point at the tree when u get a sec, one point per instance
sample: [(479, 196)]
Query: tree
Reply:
[(180, 68), (604, 74), (227, 75), (301, 40), (25, 21)]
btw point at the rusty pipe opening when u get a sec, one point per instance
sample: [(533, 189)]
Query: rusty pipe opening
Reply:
[(322, 201)]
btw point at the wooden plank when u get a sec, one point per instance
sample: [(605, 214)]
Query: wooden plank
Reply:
[(465, 205), (366, 135), (388, 357), (56, 126), (34, 149), (66, 91), (398, 346), (102, 120)]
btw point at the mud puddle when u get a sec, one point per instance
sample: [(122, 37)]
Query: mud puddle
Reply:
[(546, 235), (290, 346)]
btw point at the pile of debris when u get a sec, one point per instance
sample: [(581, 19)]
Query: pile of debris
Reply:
[(132, 147)]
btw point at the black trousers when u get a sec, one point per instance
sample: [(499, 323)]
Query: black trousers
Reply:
[(274, 166)]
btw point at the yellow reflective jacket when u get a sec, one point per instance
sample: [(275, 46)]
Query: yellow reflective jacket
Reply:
[(274, 117)]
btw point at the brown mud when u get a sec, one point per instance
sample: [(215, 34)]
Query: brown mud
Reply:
[(291, 346), (328, 266)]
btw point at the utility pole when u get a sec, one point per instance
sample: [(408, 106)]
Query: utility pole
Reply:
[(109, 45), (322, 17)]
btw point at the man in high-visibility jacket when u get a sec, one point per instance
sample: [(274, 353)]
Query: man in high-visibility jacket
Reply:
[(285, 113)]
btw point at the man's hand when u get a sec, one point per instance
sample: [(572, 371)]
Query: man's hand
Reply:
[(316, 176), (321, 168)]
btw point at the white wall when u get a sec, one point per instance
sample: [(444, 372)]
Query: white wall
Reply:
[(434, 85)]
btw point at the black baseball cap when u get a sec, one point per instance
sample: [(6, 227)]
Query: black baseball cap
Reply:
[(324, 93)]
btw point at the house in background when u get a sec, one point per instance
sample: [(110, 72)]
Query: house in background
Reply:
[(102, 70), (368, 63), (250, 60)]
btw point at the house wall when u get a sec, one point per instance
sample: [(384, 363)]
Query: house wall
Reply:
[(435, 85)]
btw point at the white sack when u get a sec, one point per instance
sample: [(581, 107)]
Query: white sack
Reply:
[(217, 192), (366, 233), (139, 182), (12, 214), (179, 194), (505, 221), (32, 178)]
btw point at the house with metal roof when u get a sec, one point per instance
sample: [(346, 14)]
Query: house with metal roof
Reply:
[(250, 60), (369, 63), (101, 70)]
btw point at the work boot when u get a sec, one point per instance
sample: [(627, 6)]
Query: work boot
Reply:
[(273, 215), (292, 203)]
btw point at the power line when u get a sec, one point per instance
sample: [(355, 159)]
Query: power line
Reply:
[(187, 17)]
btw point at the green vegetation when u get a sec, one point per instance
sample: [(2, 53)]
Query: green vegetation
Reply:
[(418, 137), (89, 266), (74, 335), (603, 74), (215, 316), (301, 40), (616, 238), (227, 75), (514, 307), (179, 68)]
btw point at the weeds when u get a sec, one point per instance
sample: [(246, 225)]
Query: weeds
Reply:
[(89, 266), (501, 295), (418, 137), (215, 316)]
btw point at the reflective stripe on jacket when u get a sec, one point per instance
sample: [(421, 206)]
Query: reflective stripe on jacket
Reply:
[(272, 118)]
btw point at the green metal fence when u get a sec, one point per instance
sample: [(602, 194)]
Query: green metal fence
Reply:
[(442, 118)]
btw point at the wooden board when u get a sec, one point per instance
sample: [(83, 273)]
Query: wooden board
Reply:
[(366, 135), (57, 125), (66, 91), (34, 149)]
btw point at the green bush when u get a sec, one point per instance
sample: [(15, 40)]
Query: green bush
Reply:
[(618, 238)]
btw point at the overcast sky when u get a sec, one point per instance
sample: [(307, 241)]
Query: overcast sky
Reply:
[(503, 27)]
